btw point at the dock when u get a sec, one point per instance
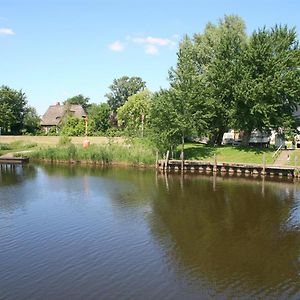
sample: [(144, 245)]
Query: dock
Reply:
[(196, 166), (7, 160)]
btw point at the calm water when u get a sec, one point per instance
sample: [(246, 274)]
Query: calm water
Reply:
[(84, 233)]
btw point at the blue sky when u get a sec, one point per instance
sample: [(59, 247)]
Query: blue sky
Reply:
[(56, 49)]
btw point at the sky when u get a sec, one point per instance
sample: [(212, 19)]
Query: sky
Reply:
[(56, 49)]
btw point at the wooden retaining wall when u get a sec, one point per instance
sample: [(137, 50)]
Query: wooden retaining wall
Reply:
[(194, 166), (5, 160)]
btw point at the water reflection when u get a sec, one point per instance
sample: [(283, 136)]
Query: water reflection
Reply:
[(126, 233), (15, 174), (227, 235)]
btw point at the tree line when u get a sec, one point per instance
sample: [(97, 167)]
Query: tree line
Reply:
[(223, 78)]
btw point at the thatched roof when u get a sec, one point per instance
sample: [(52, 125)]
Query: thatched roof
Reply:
[(55, 113)]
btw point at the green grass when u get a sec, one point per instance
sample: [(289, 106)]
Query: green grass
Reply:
[(294, 158), (194, 151), (134, 154), (16, 146)]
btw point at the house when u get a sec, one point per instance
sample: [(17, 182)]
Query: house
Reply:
[(257, 138), (55, 114)]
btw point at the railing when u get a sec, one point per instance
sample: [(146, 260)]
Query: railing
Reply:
[(275, 155)]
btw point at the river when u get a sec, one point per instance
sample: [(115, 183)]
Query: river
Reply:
[(70, 232)]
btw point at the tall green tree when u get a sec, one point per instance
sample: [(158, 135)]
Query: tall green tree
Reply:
[(12, 108), (121, 89), (183, 110), (100, 114), (31, 121), (133, 115), (79, 99), (268, 91), (218, 52)]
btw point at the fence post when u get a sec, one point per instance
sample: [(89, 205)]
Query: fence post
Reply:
[(167, 160), (264, 164)]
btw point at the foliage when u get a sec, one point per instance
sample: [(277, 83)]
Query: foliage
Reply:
[(64, 141), (182, 110), (73, 126), (100, 113), (121, 89), (31, 122), (218, 52), (12, 107), (53, 131), (134, 153), (133, 115), (79, 99), (268, 91)]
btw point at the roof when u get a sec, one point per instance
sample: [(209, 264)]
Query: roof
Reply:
[(55, 113)]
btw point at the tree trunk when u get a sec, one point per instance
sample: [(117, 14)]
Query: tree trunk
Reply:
[(246, 137), (217, 137), (213, 139), (182, 152), (220, 137)]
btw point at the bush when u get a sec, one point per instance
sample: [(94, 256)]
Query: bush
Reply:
[(64, 141), (134, 153), (5, 147)]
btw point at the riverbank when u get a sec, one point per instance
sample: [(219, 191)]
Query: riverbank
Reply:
[(120, 151), (110, 154)]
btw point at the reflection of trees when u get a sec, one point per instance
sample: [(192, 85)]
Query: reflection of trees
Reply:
[(127, 186), (11, 179), (233, 238), (14, 174)]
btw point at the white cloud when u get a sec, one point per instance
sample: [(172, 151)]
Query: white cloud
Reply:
[(116, 46), (6, 31), (150, 40), (152, 45), (151, 49)]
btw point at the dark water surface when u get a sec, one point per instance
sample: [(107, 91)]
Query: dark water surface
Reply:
[(84, 233)]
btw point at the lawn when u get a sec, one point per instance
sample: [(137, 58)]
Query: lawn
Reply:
[(54, 140), (194, 151), (294, 158), (16, 146)]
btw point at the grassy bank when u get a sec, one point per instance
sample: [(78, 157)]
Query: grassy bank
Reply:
[(249, 155), (54, 140), (104, 150), (135, 154), (16, 146)]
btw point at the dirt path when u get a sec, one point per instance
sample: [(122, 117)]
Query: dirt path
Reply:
[(53, 140), (12, 154), (283, 158)]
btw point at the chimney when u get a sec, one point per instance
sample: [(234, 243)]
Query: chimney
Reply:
[(58, 103)]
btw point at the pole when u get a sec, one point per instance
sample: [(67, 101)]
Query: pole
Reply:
[(182, 154), (86, 126), (143, 116), (264, 164), (167, 160), (215, 163)]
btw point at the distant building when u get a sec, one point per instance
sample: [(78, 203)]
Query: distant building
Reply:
[(56, 113)]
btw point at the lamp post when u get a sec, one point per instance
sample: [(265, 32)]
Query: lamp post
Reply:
[(86, 142), (143, 117)]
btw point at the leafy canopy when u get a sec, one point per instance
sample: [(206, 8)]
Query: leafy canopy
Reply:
[(121, 89)]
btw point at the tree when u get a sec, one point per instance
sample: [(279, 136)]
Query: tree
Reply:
[(79, 99), (12, 107), (121, 89), (31, 121), (133, 115), (218, 52), (268, 91), (183, 110), (100, 114), (73, 126)]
